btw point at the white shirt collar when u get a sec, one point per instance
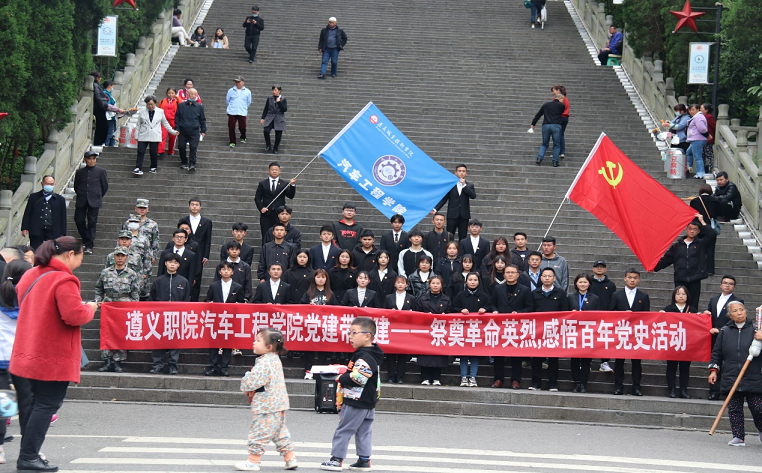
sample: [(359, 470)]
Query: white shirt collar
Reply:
[(179, 251), (226, 289)]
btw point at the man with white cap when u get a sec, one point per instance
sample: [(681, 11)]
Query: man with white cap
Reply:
[(332, 40)]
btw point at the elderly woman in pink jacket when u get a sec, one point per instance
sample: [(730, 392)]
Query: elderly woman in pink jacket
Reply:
[(697, 136)]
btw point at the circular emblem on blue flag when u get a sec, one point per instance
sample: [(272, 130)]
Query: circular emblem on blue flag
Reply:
[(389, 170)]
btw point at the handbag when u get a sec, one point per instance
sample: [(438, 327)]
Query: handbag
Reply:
[(527, 4), (715, 225)]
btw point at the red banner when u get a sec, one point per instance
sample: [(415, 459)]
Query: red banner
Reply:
[(643, 213), (594, 334)]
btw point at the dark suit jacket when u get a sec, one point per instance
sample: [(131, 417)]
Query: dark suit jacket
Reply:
[(264, 195), (458, 206), (247, 253), (264, 295), (188, 264), (387, 243), (90, 185), (518, 299), (720, 320), (316, 257), (189, 244), (214, 294), (31, 220), (390, 302), (203, 235), (641, 303), (242, 276), (351, 298), (591, 302), (479, 255)]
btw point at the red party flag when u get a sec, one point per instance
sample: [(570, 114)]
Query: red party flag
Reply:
[(644, 214)]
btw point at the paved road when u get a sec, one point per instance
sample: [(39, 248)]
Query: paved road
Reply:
[(122, 437)]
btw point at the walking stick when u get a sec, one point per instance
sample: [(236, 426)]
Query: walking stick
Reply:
[(754, 350)]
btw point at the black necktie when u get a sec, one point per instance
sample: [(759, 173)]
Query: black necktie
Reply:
[(396, 238), (274, 184)]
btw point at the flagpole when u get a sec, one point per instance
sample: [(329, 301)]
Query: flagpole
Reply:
[(574, 182), (297, 175)]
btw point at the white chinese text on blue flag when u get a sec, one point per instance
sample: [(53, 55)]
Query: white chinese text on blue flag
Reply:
[(386, 168)]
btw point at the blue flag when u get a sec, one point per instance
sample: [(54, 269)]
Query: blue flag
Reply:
[(386, 168)]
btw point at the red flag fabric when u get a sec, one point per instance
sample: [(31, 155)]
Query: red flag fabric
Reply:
[(644, 214)]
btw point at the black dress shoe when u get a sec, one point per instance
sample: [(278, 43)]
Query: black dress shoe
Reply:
[(321, 76), (224, 372), (173, 370), (275, 151), (636, 392), (156, 370), (684, 394), (211, 371), (714, 397), (268, 148), (555, 165), (672, 393), (34, 465), (538, 161), (618, 392), (576, 388), (582, 389)]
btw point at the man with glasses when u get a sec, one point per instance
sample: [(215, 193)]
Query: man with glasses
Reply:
[(510, 298), (718, 309)]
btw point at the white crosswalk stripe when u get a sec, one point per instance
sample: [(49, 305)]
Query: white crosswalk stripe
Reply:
[(176, 455)]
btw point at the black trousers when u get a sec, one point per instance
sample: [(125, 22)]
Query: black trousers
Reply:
[(267, 220), (86, 218), (552, 372), (153, 150), (46, 398), (36, 240), (431, 374), (196, 289), (158, 355), (192, 141), (251, 43), (459, 224), (580, 368), (5, 384), (278, 135), (220, 361), (637, 373), (24, 397), (685, 373), (101, 128), (713, 388), (395, 365), (694, 291), (498, 366)]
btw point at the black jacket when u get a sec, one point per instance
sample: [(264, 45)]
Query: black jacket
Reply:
[(247, 253), (293, 235), (730, 200), (283, 253), (390, 302), (473, 302), (508, 299), (591, 302), (446, 267), (555, 301), (387, 243), (689, 262), (170, 287), (550, 112), (254, 29), (729, 355), (479, 253), (188, 264), (604, 290), (214, 294), (428, 303), (190, 118), (365, 261), (242, 276), (32, 220), (264, 294), (341, 38), (299, 279), (720, 320), (519, 258), (458, 205), (351, 298), (203, 235), (264, 195), (363, 391), (341, 281), (316, 257), (436, 244), (686, 310), (100, 99), (90, 185), (641, 303), (382, 287), (189, 245), (416, 286), (710, 202)]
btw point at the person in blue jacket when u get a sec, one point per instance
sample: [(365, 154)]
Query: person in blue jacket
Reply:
[(614, 46)]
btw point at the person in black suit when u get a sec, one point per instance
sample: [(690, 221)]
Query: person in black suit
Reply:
[(630, 298), (458, 203), (395, 240), (227, 291), (548, 297), (510, 298), (247, 251), (201, 233), (582, 299), (437, 240), (241, 270), (360, 296), (400, 300), (270, 195), (475, 245), (324, 255), (293, 235), (189, 244), (273, 291), (382, 278), (90, 185), (188, 259), (679, 305), (45, 214), (718, 310)]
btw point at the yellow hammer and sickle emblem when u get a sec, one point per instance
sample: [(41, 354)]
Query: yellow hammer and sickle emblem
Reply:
[(613, 181)]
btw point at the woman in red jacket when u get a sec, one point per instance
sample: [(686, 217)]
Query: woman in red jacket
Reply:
[(47, 351), (169, 105), (711, 125)]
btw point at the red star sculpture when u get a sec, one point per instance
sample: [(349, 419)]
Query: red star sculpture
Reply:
[(131, 2), (3, 115), (684, 17)]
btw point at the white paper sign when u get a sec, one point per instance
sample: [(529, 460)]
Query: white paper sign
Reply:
[(107, 37), (698, 66)]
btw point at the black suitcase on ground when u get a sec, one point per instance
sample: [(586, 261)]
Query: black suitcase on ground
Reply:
[(325, 392)]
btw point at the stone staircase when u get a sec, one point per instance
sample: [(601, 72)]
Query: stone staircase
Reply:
[(463, 94)]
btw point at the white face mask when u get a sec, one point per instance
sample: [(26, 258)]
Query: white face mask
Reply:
[(132, 226)]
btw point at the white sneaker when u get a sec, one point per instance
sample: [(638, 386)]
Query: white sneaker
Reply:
[(456, 362), (237, 352), (532, 25), (464, 382), (137, 172), (472, 383), (152, 170), (736, 442), (437, 383), (426, 382), (414, 360), (292, 464), (247, 466), (307, 375), (605, 367)]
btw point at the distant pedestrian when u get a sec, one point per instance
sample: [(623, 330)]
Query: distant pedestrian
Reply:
[(332, 40), (150, 121), (182, 94), (108, 88), (560, 89), (90, 185), (100, 107), (238, 101), (536, 11), (254, 25), (169, 105), (551, 127), (273, 118), (45, 214), (191, 123)]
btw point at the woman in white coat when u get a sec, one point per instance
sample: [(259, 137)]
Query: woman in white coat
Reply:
[(149, 133)]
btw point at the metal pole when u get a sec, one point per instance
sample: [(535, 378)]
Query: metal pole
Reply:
[(717, 41)]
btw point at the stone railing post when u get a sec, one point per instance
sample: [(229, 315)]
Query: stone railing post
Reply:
[(6, 210), (722, 114)]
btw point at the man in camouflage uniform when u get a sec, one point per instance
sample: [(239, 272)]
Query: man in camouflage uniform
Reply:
[(145, 240), (117, 283), (135, 258)]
